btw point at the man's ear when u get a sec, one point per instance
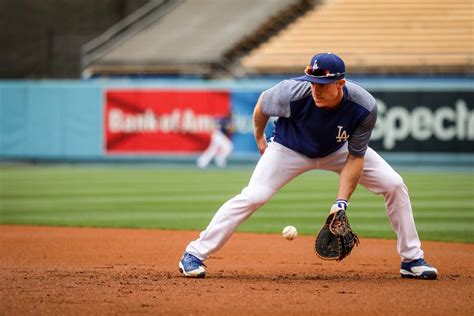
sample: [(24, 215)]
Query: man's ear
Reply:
[(341, 83)]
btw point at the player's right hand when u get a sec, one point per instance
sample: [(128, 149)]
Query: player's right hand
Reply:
[(262, 144)]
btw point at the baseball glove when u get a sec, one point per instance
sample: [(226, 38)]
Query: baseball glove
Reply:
[(336, 239)]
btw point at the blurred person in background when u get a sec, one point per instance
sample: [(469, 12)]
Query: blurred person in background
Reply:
[(220, 146)]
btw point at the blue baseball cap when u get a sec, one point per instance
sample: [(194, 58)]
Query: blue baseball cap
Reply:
[(324, 68)]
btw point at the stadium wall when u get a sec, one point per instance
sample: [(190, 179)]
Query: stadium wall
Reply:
[(421, 121)]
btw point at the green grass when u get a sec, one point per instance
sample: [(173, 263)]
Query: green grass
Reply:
[(187, 198)]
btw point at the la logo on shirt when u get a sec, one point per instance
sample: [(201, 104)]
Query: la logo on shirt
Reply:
[(342, 135)]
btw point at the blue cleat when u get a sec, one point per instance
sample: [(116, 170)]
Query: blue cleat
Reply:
[(191, 266), (418, 269)]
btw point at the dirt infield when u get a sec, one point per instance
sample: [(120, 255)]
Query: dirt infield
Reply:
[(47, 270)]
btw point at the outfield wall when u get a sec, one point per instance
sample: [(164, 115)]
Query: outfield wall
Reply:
[(428, 120)]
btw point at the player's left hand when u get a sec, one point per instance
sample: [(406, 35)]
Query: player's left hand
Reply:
[(340, 204), (336, 239)]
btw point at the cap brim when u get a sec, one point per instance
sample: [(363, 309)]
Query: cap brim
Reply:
[(320, 80)]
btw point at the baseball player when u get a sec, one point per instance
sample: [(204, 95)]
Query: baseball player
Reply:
[(324, 122), (220, 146)]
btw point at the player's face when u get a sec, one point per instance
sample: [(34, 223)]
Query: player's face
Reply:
[(327, 95)]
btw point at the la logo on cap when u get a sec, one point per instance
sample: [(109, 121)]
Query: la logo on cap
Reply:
[(315, 65)]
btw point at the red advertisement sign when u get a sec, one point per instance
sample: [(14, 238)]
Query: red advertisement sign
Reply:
[(161, 121)]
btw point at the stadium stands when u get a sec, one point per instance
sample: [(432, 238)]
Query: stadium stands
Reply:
[(179, 37), (42, 39), (383, 36)]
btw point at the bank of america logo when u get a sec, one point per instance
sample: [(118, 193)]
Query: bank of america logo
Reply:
[(342, 135)]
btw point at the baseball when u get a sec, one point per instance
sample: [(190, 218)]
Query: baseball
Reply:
[(289, 232)]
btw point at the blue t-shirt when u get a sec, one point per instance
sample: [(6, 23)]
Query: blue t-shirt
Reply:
[(224, 125), (317, 132)]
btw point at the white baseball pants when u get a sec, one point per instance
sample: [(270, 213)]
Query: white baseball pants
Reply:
[(279, 165)]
